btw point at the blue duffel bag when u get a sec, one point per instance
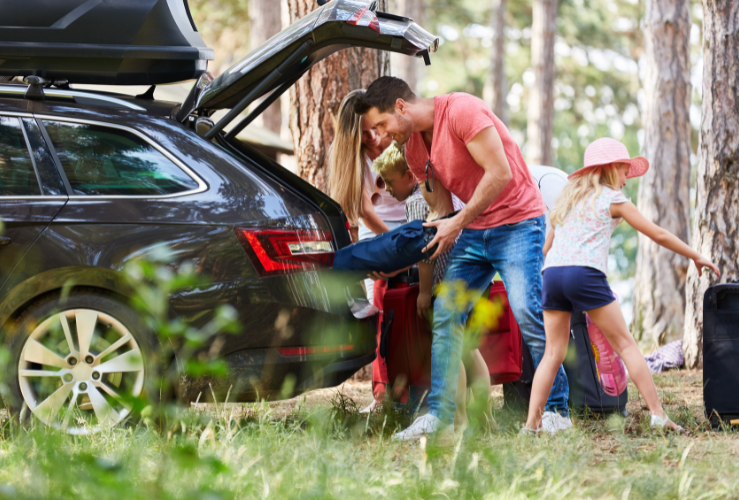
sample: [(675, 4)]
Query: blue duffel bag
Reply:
[(387, 252)]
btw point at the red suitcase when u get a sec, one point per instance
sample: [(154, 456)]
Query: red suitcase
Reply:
[(501, 346), (407, 344), (404, 362), (379, 368)]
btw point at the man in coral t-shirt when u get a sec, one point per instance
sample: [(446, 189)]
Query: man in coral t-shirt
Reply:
[(454, 143)]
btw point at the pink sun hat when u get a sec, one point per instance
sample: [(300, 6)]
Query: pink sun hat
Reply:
[(606, 150)]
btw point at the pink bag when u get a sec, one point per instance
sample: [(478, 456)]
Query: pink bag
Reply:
[(611, 370)]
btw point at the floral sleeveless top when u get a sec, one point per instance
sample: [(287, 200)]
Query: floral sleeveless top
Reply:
[(584, 238)]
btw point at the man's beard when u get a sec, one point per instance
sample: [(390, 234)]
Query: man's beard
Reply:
[(404, 133)]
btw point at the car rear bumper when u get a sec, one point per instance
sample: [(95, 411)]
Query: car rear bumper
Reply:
[(268, 373)]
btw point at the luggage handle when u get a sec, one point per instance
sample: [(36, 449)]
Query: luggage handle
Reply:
[(386, 324)]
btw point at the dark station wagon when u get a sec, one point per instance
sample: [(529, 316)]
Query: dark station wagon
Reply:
[(92, 180)]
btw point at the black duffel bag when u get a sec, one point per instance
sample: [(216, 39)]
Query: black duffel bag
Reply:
[(586, 391)]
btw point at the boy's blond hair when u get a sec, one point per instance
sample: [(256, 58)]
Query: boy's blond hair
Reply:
[(391, 160), (587, 185)]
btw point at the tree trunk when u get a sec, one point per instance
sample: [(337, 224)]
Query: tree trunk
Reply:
[(407, 68), (716, 218), (266, 21), (541, 97), (497, 87), (315, 98), (664, 192)]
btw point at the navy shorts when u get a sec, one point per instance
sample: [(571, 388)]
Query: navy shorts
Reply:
[(574, 289)]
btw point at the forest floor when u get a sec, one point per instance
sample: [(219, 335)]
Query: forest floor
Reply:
[(319, 446)]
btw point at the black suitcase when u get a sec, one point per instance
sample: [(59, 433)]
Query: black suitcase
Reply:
[(586, 391), (721, 353)]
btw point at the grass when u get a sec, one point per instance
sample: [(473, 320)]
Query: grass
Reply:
[(312, 447)]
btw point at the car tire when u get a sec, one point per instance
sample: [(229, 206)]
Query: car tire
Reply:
[(81, 363)]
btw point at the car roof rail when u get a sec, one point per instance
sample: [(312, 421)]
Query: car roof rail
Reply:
[(104, 100)]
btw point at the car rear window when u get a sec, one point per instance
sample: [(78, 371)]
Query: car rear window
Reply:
[(105, 161), (17, 175)]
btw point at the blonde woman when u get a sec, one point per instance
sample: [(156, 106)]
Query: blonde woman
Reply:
[(574, 276), (351, 181)]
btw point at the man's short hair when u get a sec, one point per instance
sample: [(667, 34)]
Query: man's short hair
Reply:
[(382, 94), (391, 160)]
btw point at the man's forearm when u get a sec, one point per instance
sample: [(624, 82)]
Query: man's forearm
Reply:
[(486, 192)]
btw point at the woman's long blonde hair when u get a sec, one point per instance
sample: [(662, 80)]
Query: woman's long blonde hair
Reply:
[(347, 159), (586, 185)]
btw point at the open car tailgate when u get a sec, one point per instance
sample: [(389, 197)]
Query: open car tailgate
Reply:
[(338, 24)]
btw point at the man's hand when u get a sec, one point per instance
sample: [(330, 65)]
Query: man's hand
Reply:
[(423, 306), (447, 231)]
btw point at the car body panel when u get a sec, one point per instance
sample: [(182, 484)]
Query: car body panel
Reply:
[(23, 221), (88, 240)]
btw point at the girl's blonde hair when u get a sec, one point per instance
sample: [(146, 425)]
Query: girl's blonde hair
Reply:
[(347, 159), (587, 185), (391, 160)]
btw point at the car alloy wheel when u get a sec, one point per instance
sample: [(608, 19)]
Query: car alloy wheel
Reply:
[(79, 369)]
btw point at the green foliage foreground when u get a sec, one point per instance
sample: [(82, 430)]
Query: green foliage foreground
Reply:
[(249, 451)]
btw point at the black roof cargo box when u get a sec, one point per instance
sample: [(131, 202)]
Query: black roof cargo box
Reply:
[(116, 42)]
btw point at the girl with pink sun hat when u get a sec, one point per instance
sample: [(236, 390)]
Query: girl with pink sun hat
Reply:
[(574, 275)]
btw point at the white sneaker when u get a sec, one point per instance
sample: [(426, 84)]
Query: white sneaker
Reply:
[(424, 425), (554, 422), (370, 408)]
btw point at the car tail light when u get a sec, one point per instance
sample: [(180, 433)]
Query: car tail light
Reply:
[(364, 17), (285, 251), (305, 351)]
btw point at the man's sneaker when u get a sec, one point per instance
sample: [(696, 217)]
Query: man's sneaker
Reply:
[(370, 408), (424, 425), (554, 422)]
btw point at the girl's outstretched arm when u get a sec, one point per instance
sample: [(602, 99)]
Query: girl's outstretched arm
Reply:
[(662, 237)]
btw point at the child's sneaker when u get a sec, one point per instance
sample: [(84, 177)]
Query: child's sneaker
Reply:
[(554, 422), (425, 425), (525, 431)]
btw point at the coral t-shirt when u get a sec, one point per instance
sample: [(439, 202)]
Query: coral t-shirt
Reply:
[(458, 118)]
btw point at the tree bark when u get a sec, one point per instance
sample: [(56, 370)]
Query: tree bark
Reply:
[(716, 219), (266, 21), (497, 86), (315, 98), (407, 68), (541, 96), (664, 191)]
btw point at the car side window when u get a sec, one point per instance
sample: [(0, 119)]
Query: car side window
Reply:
[(100, 160), (17, 174), (48, 173)]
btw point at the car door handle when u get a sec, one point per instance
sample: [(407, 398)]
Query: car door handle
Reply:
[(4, 240)]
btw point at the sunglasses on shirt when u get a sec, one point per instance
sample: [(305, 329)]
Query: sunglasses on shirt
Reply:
[(429, 167)]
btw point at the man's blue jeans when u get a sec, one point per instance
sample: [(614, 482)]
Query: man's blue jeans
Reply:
[(516, 252)]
